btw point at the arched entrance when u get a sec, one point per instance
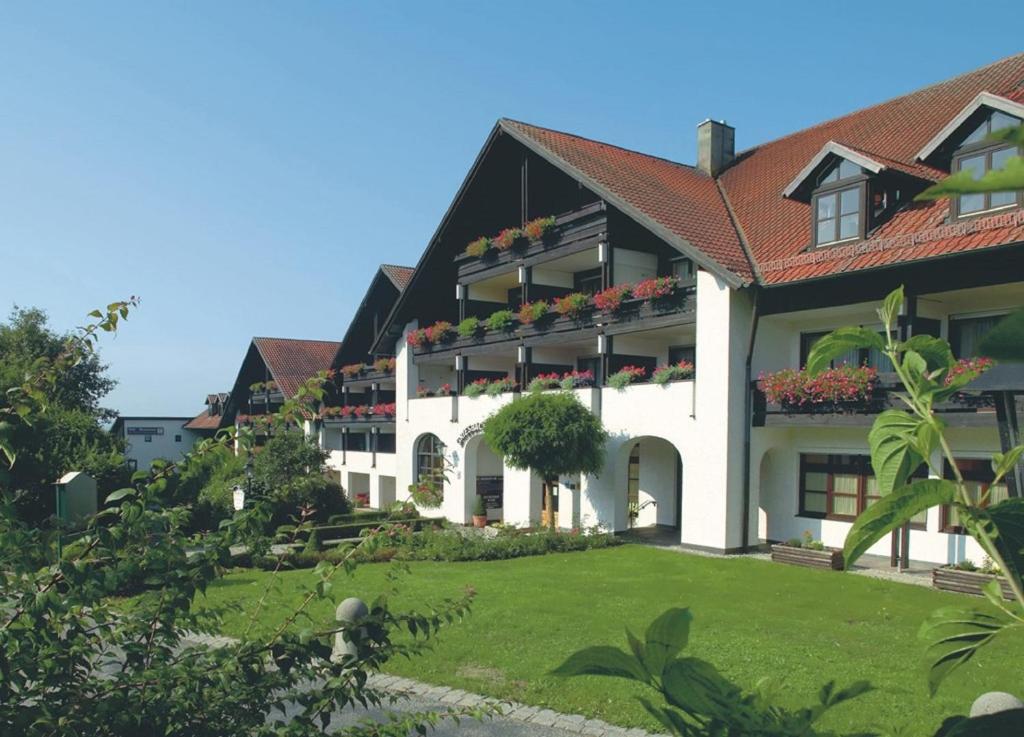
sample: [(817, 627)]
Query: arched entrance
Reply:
[(653, 484), (485, 477)]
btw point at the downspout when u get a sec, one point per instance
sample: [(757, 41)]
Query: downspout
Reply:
[(748, 417)]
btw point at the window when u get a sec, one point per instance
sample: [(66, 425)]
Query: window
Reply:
[(840, 487), (588, 282), (430, 458), (838, 204), (858, 357), (147, 438), (966, 333), (978, 476), (177, 438), (977, 154), (592, 364), (633, 479), (683, 268), (677, 353)]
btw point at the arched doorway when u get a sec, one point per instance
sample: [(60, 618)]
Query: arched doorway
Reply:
[(653, 485), (486, 478)]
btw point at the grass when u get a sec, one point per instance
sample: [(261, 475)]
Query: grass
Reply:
[(753, 619)]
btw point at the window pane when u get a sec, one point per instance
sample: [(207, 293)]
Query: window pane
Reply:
[(849, 201), (815, 481), (848, 169), (879, 361), (815, 503), (977, 134), (972, 203), (1001, 120), (844, 505), (827, 207), (999, 159), (849, 226), (831, 176), (820, 458), (973, 164), (826, 231), (965, 334), (845, 483)]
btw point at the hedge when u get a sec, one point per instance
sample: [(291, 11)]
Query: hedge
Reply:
[(353, 529)]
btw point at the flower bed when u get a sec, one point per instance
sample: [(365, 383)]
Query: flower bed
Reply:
[(807, 551), (832, 389), (572, 305), (490, 387), (567, 381), (384, 409), (966, 581), (532, 312), (536, 229), (384, 365), (610, 300), (656, 288)]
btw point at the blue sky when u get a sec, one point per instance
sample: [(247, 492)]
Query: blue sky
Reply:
[(244, 167)]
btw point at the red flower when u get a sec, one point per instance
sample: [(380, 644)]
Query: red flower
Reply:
[(507, 238), (796, 388), (656, 288), (610, 299), (974, 366), (538, 227)]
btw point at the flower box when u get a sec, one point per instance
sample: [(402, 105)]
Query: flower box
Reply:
[(829, 558), (967, 582)]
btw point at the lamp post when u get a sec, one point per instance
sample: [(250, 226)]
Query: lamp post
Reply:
[(239, 495)]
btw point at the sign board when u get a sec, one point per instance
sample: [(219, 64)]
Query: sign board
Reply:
[(492, 489), (145, 431), (471, 431), (238, 498)]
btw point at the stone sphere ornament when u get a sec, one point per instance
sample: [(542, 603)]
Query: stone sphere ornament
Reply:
[(994, 702)]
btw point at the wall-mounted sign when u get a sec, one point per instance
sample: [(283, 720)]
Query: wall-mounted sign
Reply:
[(492, 489), (471, 431), (145, 431)]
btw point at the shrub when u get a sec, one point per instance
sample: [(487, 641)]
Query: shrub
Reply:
[(626, 376), (532, 312), (572, 305), (384, 365), (500, 386), (539, 227), (427, 493), (656, 288), (507, 238), (313, 544), (476, 388), (479, 247), (352, 369), (471, 327), (610, 300), (500, 321), (675, 372)]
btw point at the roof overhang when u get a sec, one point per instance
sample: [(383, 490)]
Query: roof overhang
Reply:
[(984, 99), (832, 149)]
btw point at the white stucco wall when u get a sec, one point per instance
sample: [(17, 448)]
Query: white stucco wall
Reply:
[(170, 441)]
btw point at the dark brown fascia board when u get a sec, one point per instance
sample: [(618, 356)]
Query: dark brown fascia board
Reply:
[(362, 305), (731, 278)]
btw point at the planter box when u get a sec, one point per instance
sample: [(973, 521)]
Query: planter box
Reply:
[(830, 558), (966, 582)]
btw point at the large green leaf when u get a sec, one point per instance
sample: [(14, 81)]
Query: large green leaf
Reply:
[(955, 635), (1008, 179), (840, 342), (1004, 521), (1002, 463), (601, 660), (891, 306), (893, 457), (696, 687), (665, 637), (893, 511), (1005, 342), (934, 351)]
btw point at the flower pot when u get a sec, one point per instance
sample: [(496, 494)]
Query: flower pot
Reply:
[(967, 582), (829, 558), (480, 520)]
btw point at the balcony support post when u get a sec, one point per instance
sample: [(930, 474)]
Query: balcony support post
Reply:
[(524, 365), (461, 366), (374, 434), (344, 445)]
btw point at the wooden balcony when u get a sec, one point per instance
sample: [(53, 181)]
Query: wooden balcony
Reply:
[(635, 314), (366, 379), (974, 407), (575, 231)]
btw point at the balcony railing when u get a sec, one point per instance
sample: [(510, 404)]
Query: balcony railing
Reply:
[(969, 408), (575, 231), (632, 315)]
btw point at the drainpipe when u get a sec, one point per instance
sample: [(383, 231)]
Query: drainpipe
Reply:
[(748, 417)]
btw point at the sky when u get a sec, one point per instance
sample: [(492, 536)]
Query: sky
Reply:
[(244, 167)]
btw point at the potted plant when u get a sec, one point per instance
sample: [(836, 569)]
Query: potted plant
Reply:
[(538, 228), (417, 338), (532, 312), (384, 365), (572, 305), (807, 551), (500, 386), (832, 390), (500, 321), (967, 578), (610, 300), (655, 288), (479, 248), (352, 370), (479, 512), (540, 382), (507, 238), (575, 379), (440, 332), (471, 327), (675, 372), (476, 388), (626, 376)]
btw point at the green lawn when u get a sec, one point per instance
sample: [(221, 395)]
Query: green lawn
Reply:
[(752, 619)]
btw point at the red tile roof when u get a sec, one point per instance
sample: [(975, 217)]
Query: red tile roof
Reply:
[(204, 421), (687, 206), (291, 362), (681, 201), (400, 276), (778, 230)]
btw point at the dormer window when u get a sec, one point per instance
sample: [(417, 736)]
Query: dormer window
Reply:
[(978, 155), (838, 204)]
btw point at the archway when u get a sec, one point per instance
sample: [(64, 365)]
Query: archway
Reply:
[(485, 476), (652, 484)]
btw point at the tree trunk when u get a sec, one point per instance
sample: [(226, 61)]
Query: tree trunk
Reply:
[(549, 502)]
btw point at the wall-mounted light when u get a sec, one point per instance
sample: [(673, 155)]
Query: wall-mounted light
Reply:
[(521, 354), (460, 363), (522, 275), (374, 387), (602, 252), (460, 291), (602, 344)]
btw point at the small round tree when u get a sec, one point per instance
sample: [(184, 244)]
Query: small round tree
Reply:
[(550, 434)]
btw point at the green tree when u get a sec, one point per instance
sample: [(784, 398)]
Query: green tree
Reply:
[(550, 434), (290, 471), (70, 435)]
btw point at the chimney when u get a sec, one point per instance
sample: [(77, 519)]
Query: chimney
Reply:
[(716, 146)]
